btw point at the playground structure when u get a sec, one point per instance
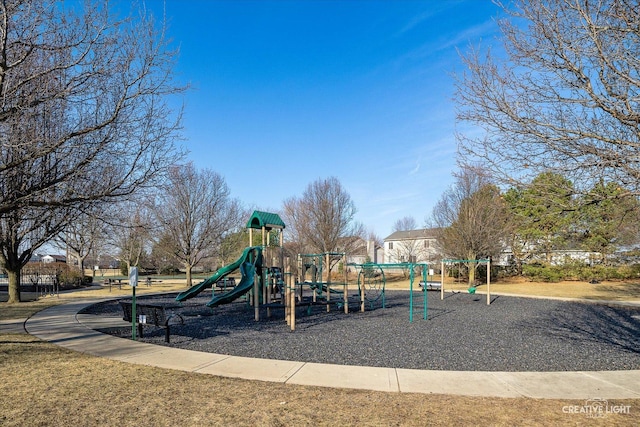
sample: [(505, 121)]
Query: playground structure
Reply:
[(473, 263), (312, 270), (265, 280), (269, 285), (314, 285), (259, 266), (372, 283), (271, 276)]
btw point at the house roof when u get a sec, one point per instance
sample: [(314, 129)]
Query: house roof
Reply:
[(423, 233), (56, 257), (267, 220)]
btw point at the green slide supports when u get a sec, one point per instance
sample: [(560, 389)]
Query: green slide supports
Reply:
[(247, 256)]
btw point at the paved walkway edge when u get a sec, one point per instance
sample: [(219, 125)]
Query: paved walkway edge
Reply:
[(63, 326)]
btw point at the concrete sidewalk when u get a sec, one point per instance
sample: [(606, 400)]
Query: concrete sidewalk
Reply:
[(63, 326)]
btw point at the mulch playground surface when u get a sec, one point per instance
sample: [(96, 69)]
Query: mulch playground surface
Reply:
[(462, 333)]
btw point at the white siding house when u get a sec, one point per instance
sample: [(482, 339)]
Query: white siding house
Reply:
[(419, 246), (53, 258)]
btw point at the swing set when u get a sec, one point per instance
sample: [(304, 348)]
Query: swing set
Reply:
[(471, 263)]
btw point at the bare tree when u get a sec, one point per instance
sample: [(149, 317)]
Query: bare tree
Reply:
[(405, 224), (196, 212), (323, 219), (84, 117), (22, 231), (563, 97), (81, 238), (131, 231), (376, 239), (472, 219)]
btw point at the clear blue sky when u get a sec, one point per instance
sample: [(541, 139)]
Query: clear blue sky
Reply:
[(287, 92)]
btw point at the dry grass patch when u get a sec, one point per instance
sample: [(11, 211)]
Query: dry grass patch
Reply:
[(175, 285), (46, 385), (613, 291), (26, 309)]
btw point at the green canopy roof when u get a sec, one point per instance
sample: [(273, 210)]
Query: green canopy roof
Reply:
[(265, 219)]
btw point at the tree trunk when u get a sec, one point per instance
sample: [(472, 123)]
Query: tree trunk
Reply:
[(81, 265), (188, 268), (518, 262), (328, 270), (14, 285), (471, 267)]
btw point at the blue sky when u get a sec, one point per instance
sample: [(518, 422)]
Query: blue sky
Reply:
[(288, 92)]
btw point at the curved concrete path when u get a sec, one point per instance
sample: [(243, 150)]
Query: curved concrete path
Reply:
[(63, 326)]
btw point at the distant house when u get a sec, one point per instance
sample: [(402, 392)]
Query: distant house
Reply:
[(357, 251), (103, 262), (417, 246), (47, 259), (559, 257), (364, 251), (421, 246)]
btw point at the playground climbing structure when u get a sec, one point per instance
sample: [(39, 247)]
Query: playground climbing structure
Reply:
[(260, 267)]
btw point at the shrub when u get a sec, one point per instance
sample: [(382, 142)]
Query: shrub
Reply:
[(66, 275), (542, 273), (171, 270), (70, 276), (629, 272), (576, 270)]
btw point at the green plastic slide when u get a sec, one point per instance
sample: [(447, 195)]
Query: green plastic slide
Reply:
[(221, 273), (248, 272)]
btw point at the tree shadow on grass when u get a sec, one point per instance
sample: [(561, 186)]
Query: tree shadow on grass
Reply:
[(626, 292)]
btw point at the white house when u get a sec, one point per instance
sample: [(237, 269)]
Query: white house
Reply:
[(418, 246), (421, 246), (53, 258)]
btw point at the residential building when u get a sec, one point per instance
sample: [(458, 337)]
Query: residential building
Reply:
[(52, 258), (421, 246), (365, 251), (417, 246)]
